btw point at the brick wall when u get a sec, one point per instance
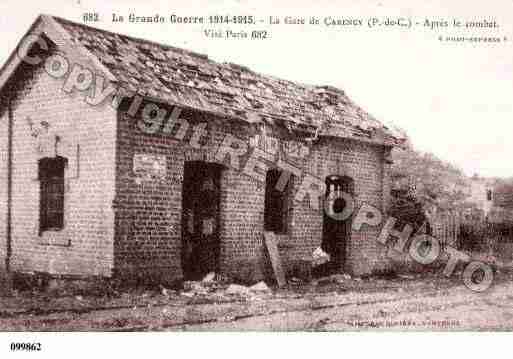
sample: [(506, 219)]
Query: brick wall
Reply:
[(148, 213), (364, 164), (242, 223), (85, 246)]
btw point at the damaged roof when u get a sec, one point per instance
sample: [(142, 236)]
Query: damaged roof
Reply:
[(181, 77)]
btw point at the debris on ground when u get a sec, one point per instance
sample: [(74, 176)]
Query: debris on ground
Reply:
[(334, 278), (237, 289), (406, 276), (212, 289), (260, 287), (167, 292), (295, 280), (40, 311), (340, 278), (209, 278), (195, 288), (319, 257)]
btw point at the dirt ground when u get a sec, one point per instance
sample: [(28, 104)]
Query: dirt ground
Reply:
[(339, 303)]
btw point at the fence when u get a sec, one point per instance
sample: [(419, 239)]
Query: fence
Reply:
[(446, 227)]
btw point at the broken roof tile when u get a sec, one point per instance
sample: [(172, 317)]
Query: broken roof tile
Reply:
[(193, 80)]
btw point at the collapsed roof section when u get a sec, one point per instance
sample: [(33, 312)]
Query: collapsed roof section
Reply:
[(181, 77)]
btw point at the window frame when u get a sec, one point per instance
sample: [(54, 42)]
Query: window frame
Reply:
[(273, 223), (51, 175)]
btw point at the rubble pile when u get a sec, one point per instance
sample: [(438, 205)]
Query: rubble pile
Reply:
[(217, 288)]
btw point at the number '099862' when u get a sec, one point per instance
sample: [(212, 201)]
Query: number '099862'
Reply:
[(29, 347)]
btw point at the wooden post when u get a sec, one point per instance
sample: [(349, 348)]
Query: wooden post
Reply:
[(274, 256)]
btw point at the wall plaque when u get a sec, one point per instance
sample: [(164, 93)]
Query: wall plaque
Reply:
[(150, 167)]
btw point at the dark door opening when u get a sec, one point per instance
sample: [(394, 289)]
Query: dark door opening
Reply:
[(336, 232), (200, 219)]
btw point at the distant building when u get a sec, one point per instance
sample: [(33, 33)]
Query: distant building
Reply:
[(480, 191), (502, 202)]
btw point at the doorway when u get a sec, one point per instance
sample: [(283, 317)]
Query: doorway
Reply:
[(200, 219), (336, 233)]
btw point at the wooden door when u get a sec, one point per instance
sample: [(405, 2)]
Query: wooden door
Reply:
[(200, 219), (336, 233)]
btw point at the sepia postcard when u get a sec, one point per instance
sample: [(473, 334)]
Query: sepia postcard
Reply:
[(239, 166)]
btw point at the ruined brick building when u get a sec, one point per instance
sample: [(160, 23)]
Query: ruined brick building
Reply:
[(91, 185)]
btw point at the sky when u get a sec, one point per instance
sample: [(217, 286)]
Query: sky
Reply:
[(453, 99)]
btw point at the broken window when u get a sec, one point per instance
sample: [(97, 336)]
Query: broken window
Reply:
[(51, 177), (277, 203)]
